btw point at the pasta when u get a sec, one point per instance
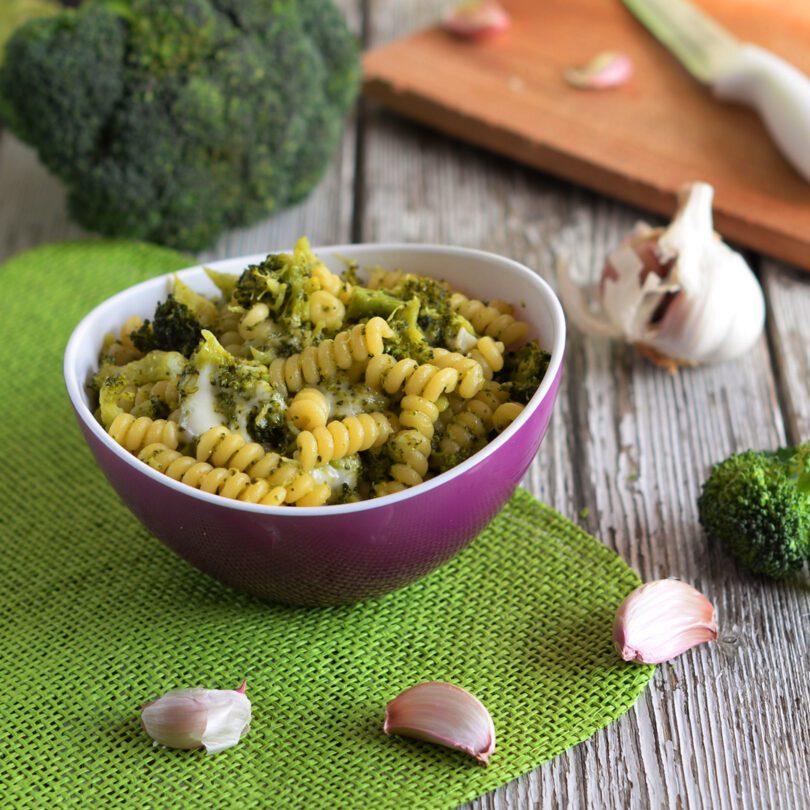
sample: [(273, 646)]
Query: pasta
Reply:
[(134, 433), (470, 370), (347, 350), (339, 439), (303, 387), (506, 414), (228, 482), (308, 410), (488, 353), (468, 427), (490, 320)]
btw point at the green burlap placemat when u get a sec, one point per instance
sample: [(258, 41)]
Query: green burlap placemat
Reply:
[(97, 617)]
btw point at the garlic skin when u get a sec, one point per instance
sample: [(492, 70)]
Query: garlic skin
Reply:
[(445, 714), (606, 69), (214, 719), (662, 619), (679, 294), (476, 19)]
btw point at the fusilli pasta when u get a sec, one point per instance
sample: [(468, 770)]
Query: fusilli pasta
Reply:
[(489, 320), (306, 387), (341, 438)]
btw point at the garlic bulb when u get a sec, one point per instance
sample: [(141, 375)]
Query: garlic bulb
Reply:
[(214, 719), (679, 294)]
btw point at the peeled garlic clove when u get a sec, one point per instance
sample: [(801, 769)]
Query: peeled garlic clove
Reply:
[(606, 69), (679, 294), (661, 620), (476, 19), (214, 719), (445, 714)]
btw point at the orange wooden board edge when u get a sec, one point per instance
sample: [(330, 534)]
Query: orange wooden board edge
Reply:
[(639, 142)]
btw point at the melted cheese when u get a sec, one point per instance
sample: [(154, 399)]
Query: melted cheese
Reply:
[(198, 410)]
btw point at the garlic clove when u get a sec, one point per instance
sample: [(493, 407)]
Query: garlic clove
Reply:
[(679, 294), (661, 620), (476, 19), (445, 714), (214, 719), (606, 69)]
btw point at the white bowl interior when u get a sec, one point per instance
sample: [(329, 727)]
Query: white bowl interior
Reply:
[(474, 273)]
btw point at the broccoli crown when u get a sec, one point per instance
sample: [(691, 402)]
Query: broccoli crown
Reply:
[(758, 506), (171, 120), (523, 371), (175, 328)]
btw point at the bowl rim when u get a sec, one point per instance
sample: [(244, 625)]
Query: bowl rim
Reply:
[(75, 387)]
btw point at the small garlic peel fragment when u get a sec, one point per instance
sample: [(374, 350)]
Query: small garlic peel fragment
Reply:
[(606, 69), (445, 714), (662, 619), (475, 19)]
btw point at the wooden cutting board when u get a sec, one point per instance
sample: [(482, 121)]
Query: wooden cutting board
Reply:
[(638, 142)]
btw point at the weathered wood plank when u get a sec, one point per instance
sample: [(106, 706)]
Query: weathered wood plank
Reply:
[(727, 724), (789, 327), (33, 206)]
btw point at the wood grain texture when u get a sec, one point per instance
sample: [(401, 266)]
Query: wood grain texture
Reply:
[(639, 142), (789, 327), (727, 725)]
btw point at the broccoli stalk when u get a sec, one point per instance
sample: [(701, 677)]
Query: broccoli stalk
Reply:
[(408, 340), (365, 303), (758, 505)]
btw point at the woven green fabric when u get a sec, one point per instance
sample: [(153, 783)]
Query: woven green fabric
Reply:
[(97, 617)]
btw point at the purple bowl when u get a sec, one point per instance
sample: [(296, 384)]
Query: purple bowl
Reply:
[(330, 555)]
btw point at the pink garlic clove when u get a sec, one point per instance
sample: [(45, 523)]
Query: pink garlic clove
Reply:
[(476, 19), (662, 619), (606, 69), (214, 719), (445, 714)]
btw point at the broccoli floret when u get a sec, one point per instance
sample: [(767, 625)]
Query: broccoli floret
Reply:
[(175, 329), (758, 505), (283, 283), (408, 340), (218, 388), (438, 322), (13, 13), (172, 120), (267, 424), (523, 371)]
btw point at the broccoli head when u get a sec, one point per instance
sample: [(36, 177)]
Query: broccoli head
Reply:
[(175, 328), (171, 120), (523, 371), (758, 506)]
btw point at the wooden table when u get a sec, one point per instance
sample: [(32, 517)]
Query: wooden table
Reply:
[(726, 725)]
